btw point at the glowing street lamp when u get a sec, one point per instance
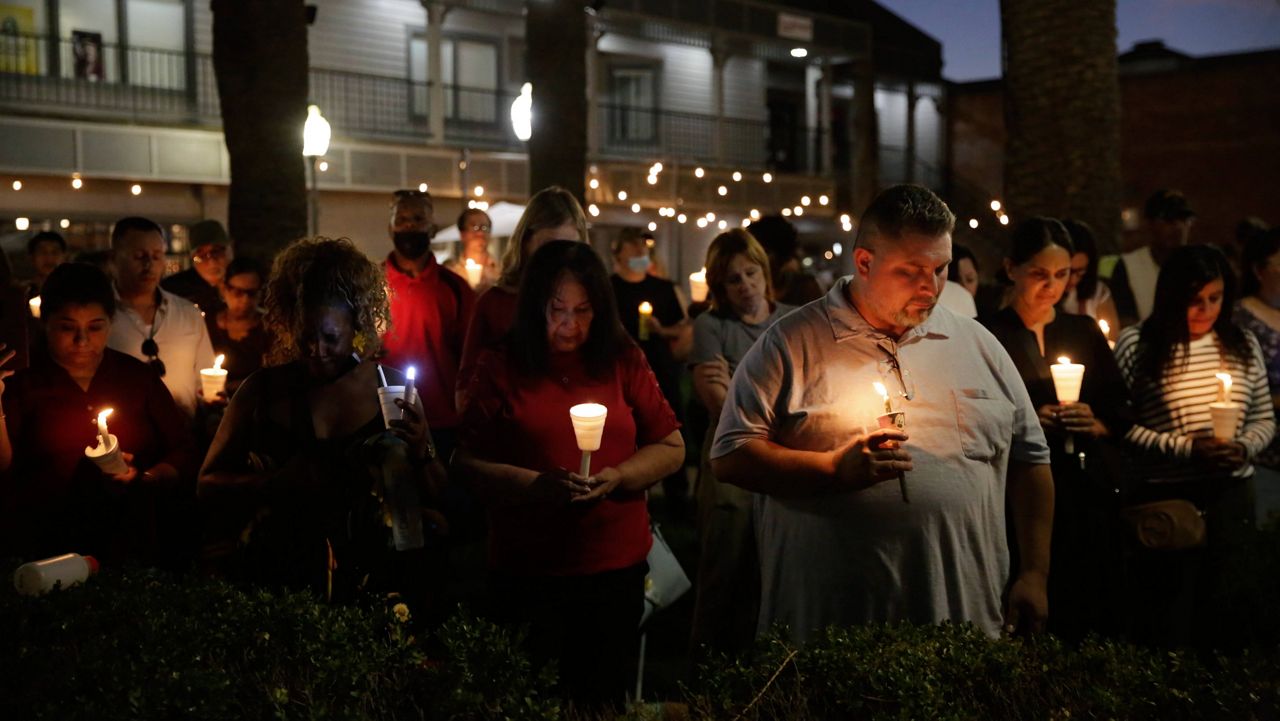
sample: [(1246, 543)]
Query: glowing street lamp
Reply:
[(522, 113), (315, 143)]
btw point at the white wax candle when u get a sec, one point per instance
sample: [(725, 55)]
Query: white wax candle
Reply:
[(474, 272), (646, 312), (34, 304), (1224, 392), (103, 433), (1106, 332), (698, 286)]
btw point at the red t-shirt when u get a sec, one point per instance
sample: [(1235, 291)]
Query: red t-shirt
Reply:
[(429, 315), (525, 422), (494, 314)]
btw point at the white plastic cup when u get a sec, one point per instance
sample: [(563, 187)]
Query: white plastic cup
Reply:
[(588, 425), (698, 286), (1067, 379), (108, 459), (1226, 416), (212, 382), (387, 396), (40, 577)]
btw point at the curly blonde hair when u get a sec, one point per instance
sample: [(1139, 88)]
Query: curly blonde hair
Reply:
[(316, 272)]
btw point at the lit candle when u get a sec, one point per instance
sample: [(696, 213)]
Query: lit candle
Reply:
[(1067, 379), (34, 304), (588, 427), (474, 272), (1106, 332), (646, 312), (103, 433), (1224, 392), (213, 381), (410, 390), (698, 286), (890, 419), (1225, 413)]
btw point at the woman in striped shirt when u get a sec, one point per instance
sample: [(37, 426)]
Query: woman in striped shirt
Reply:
[(1170, 361)]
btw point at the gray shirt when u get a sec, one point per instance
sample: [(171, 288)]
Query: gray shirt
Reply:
[(866, 556), (716, 335)]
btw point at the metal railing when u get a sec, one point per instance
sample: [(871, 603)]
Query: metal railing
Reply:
[(59, 77)]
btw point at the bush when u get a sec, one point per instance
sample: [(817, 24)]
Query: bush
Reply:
[(141, 645), (954, 671)]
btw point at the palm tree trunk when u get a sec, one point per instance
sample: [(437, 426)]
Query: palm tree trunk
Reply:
[(1062, 112), (556, 41), (260, 58)]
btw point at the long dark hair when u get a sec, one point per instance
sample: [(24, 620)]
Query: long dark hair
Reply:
[(527, 341), (1184, 274), (1082, 237)]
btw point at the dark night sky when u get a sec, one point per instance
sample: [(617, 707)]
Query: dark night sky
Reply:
[(970, 30)]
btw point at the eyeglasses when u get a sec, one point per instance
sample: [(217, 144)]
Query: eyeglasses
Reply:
[(478, 228), (152, 352)]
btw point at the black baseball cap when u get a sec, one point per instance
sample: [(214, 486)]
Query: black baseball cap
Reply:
[(1168, 205)]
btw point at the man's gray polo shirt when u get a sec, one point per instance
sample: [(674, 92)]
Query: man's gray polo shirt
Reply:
[(866, 556)]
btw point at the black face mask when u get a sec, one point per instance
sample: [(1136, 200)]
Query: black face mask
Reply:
[(412, 244)]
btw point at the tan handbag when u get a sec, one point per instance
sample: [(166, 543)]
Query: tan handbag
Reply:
[(1171, 525)]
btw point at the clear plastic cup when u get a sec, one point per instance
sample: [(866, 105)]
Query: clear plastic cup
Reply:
[(1226, 417), (387, 396)]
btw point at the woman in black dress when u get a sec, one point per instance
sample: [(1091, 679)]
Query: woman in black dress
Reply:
[(1035, 333)]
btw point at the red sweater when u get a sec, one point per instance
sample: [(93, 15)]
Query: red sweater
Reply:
[(429, 315), (525, 422), (494, 314)]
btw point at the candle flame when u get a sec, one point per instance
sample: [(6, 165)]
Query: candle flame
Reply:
[(1106, 327), (1226, 381), (102, 417), (699, 277), (646, 308), (1064, 360), (884, 392), (218, 361)]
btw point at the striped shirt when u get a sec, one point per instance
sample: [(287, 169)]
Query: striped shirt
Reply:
[(1169, 417)]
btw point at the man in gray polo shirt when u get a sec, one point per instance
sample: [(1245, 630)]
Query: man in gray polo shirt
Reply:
[(841, 540)]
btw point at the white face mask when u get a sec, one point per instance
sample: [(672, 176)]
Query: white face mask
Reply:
[(639, 264)]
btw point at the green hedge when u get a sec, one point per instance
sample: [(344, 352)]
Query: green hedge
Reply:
[(954, 671), (140, 645)]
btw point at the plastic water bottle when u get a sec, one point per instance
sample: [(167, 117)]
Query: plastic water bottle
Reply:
[(39, 577)]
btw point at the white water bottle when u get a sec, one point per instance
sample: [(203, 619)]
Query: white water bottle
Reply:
[(39, 577)]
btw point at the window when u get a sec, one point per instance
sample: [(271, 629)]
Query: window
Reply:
[(633, 95), (21, 21), (157, 41), (469, 68)]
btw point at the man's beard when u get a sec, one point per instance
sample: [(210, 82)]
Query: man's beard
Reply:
[(912, 318)]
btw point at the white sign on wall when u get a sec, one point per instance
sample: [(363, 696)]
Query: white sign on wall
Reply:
[(795, 27)]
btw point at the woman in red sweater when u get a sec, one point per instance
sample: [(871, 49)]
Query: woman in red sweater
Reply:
[(552, 214), (567, 552)]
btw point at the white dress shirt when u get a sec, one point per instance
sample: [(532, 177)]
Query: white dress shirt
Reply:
[(180, 336)]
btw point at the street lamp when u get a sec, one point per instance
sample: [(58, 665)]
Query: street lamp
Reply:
[(315, 143), (522, 113)]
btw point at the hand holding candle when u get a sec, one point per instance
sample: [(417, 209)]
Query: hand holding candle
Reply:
[(898, 420), (1067, 379), (588, 427), (1225, 413), (646, 312), (213, 381), (107, 453), (698, 286)]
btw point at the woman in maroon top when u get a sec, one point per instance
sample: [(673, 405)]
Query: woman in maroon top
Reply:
[(57, 499), (552, 214), (568, 552)]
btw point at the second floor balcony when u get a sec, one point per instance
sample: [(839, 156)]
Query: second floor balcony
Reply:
[(42, 76)]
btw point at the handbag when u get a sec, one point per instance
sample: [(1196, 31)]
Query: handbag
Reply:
[(1170, 525), (666, 581)]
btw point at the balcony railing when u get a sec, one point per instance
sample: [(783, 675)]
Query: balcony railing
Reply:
[(52, 77)]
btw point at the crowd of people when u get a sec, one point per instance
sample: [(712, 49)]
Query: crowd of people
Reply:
[(898, 447)]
